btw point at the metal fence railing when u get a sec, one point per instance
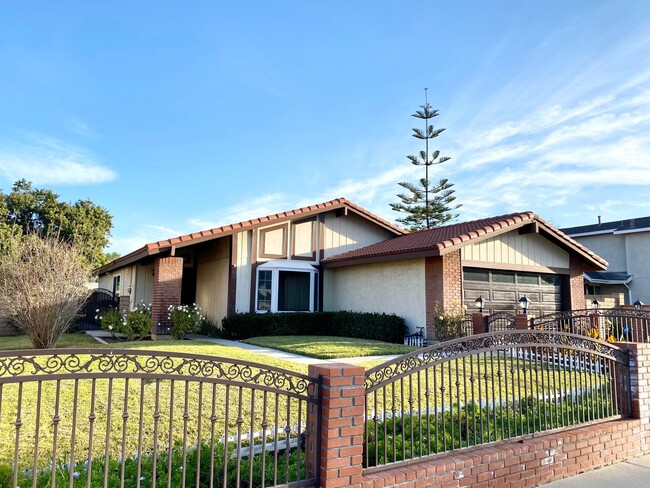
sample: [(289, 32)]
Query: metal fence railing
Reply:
[(624, 325), (131, 418), (489, 387)]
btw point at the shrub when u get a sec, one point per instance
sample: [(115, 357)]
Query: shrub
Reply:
[(448, 323), (42, 286), (133, 325), (210, 328), (186, 319), (361, 325)]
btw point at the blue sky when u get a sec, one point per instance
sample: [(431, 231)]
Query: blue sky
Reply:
[(180, 116)]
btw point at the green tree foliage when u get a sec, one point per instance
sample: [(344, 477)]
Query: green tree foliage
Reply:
[(427, 204), (34, 210)]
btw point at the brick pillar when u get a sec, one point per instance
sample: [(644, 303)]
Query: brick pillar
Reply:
[(577, 299), (167, 281), (342, 422), (522, 322), (478, 323), (442, 283), (638, 388)]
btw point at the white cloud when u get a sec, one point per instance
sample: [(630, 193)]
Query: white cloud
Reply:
[(46, 160)]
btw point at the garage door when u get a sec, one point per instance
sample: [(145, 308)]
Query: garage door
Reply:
[(503, 289)]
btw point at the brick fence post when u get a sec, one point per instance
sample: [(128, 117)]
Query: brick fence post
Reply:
[(639, 388), (522, 322), (341, 425), (167, 285), (478, 323)]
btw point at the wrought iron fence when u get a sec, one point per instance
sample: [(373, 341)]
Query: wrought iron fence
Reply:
[(616, 324), (500, 321), (130, 418), (99, 299), (490, 387), (416, 339)]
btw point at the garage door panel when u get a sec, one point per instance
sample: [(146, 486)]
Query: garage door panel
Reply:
[(504, 296)]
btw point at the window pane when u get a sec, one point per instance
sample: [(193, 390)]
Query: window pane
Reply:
[(551, 280), (264, 290), (502, 277), (293, 291), (527, 279), (475, 275)]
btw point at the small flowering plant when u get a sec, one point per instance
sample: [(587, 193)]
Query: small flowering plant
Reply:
[(133, 325), (186, 319), (448, 322)]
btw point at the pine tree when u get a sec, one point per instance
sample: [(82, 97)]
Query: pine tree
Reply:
[(427, 204)]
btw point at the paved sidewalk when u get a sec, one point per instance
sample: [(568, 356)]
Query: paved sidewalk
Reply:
[(634, 473), (286, 356)]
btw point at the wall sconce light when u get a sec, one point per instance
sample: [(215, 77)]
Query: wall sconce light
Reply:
[(638, 304), (524, 303), (480, 303), (596, 304)]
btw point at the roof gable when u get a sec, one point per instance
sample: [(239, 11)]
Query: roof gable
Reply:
[(442, 240), (209, 234)]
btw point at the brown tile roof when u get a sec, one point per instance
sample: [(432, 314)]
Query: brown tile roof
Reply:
[(441, 240), (188, 239)]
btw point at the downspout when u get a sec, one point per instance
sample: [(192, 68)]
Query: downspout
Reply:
[(629, 294)]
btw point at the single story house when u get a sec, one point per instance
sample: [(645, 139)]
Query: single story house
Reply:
[(338, 256), (625, 244)]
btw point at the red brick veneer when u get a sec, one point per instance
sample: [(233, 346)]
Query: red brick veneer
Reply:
[(167, 282)]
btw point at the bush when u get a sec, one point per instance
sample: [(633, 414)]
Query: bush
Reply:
[(448, 323), (210, 328), (186, 319), (134, 325), (42, 286), (360, 325)]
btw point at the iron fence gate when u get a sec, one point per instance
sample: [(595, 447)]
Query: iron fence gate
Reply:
[(99, 299), (500, 321), (490, 387), (83, 418), (617, 323)]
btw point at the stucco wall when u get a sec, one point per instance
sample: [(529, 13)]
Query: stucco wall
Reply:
[(608, 246), (637, 247), (393, 287), (243, 271)]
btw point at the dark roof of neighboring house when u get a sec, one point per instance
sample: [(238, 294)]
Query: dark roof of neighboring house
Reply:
[(206, 235), (441, 240), (608, 277), (610, 227)]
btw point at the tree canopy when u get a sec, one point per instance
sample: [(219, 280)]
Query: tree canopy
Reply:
[(427, 204), (27, 210)]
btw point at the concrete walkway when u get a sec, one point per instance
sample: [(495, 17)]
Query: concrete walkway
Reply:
[(286, 356), (634, 473)]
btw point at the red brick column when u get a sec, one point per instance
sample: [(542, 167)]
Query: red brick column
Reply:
[(342, 421), (577, 299), (167, 281), (478, 323), (639, 388), (522, 322), (442, 282)]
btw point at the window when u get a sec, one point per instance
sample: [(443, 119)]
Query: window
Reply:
[(592, 290), (286, 286), (476, 275), (527, 279), (116, 286), (503, 277)]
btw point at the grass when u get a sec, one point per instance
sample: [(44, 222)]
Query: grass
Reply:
[(321, 347), (67, 340), (232, 405)]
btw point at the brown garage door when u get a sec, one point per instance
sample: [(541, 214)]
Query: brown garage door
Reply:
[(503, 289)]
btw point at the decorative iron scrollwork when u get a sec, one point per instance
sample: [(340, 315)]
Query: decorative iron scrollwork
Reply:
[(115, 362), (511, 339)]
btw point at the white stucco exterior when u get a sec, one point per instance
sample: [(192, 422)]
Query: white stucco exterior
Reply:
[(395, 287)]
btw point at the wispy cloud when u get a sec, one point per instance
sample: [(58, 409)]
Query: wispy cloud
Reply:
[(80, 127), (47, 160)]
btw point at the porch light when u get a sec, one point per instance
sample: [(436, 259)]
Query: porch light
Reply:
[(596, 304), (638, 304), (480, 303), (524, 303)]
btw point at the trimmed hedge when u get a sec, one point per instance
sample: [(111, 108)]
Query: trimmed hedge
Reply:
[(360, 325)]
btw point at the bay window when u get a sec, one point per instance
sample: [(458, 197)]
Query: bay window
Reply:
[(286, 286)]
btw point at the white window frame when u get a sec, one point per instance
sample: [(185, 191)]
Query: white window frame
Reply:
[(292, 266)]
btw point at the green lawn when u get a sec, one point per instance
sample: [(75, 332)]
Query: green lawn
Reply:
[(67, 340), (330, 347)]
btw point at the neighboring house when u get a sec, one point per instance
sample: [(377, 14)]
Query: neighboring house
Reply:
[(500, 258), (624, 244), (266, 264), (338, 256)]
